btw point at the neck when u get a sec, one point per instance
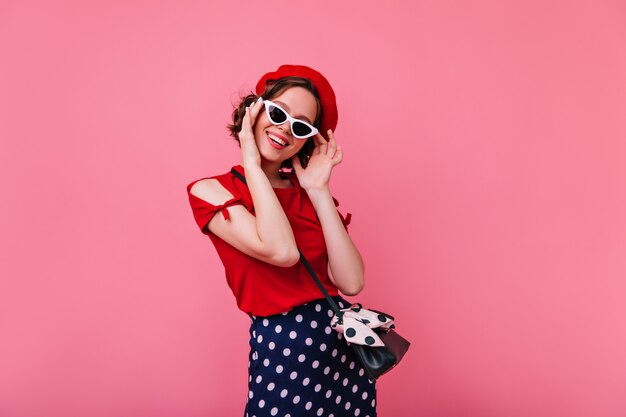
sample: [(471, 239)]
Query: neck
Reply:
[(270, 168)]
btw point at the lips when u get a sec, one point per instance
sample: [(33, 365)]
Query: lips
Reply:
[(275, 144)]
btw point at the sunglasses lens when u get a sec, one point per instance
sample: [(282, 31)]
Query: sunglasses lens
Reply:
[(300, 129), (277, 115)]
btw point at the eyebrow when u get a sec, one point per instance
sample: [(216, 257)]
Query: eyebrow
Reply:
[(287, 107)]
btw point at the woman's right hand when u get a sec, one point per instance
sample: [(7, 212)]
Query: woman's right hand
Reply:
[(249, 149)]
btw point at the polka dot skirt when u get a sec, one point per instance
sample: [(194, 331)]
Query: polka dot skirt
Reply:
[(299, 366)]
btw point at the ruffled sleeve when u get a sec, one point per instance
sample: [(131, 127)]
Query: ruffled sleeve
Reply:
[(345, 220), (203, 211)]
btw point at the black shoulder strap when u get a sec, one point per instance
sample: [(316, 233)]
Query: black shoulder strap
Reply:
[(308, 267)]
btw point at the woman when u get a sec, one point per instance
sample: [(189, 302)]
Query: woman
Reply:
[(298, 365)]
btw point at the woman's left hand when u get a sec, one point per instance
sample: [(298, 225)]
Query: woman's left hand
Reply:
[(324, 157)]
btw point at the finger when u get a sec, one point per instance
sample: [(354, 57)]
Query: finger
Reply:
[(338, 156), (316, 146), (319, 139), (255, 109), (323, 144), (332, 144), (245, 120), (257, 106)]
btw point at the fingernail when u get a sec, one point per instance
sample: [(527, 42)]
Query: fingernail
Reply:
[(259, 99)]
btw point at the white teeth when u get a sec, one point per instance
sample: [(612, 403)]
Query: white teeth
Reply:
[(275, 139)]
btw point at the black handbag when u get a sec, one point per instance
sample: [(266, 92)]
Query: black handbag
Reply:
[(376, 360)]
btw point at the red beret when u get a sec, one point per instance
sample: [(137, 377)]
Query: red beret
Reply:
[(327, 95)]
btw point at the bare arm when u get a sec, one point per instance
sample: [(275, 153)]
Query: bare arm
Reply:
[(267, 235), (344, 258)]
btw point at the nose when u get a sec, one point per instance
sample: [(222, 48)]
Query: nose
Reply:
[(285, 127)]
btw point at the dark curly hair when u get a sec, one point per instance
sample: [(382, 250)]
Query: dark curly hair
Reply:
[(272, 89)]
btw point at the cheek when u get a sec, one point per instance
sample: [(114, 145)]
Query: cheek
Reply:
[(299, 144)]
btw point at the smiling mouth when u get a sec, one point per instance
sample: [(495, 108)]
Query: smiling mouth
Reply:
[(275, 140)]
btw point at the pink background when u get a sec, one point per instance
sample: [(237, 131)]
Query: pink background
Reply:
[(485, 166)]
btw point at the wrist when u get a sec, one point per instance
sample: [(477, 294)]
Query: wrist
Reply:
[(318, 192), (250, 164)]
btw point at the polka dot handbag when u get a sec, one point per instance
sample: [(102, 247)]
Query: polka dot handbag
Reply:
[(370, 333)]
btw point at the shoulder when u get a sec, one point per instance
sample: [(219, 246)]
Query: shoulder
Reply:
[(216, 189), (210, 190)]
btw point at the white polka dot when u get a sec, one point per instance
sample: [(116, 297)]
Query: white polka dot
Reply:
[(250, 394), (308, 405), (259, 379), (374, 402), (318, 387), (328, 330), (293, 375), (340, 304), (279, 369), (323, 347), (284, 393), (255, 356), (313, 324), (296, 399), (306, 381), (266, 362), (301, 357), (338, 399), (336, 376), (348, 405), (270, 386), (357, 412), (260, 338), (261, 403), (315, 364), (286, 351), (274, 411), (361, 372), (250, 378), (364, 396), (330, 313), (293, 334), (329, 393), (308, 341), (320, 411), (284, 313), (345, 382), (334, 352), (318, 308), (355, 388), (272, 345), (253, 333), (351, 365), (326, 370), (299, 318), (339, 336), (266, 322), (278, 328), (343, 358)]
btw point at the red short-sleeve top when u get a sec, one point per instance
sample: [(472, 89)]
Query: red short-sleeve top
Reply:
[(260, 288)]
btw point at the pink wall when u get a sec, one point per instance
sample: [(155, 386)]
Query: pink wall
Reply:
[(485, 166)]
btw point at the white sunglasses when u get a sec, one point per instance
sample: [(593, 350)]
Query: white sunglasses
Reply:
[(277, 115)]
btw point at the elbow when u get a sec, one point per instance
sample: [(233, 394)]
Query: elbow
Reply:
[(354, 289), (286, 258)]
